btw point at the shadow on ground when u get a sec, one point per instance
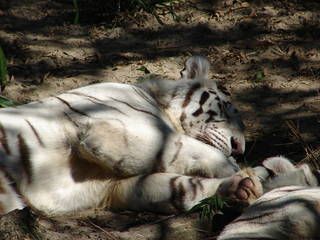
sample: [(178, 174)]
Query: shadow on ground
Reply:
[(266, 52)]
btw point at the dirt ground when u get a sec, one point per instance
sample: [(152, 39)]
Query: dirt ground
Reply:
[(266, 52)]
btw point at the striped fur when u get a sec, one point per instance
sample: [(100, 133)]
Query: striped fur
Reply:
[(160, 146), (290, 209)]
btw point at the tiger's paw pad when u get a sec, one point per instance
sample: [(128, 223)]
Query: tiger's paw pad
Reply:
[(244, 187), (249, 187)]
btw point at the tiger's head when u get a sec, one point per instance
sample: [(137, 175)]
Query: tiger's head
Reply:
[(207, 112), (200, 108), (279, 171)]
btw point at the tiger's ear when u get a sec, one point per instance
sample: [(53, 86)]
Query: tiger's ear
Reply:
[(196, 67), (278, 165)]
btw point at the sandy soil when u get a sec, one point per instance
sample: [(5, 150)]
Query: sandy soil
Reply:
[(266, 52)]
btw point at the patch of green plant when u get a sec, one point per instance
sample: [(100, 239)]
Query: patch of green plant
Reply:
[(156, 7), (4, 102), (27, 224), (4, 76), (143, 69), (77, 14), (148, 77), (260, 75), (4, 79), (209, 207), (110, 9)]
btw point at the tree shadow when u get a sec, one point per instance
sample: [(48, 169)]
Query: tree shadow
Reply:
[(273, 110), (235, 48)]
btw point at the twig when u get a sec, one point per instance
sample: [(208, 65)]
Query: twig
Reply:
[(163, 219), (314, 153), (103, 230), (311, 154)]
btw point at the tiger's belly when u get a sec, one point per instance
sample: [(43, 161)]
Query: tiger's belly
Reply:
[(58, 192)]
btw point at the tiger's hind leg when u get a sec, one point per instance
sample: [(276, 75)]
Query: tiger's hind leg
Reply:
[(9, 198), (119, 148)]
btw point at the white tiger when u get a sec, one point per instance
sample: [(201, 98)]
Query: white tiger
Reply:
[(160, 145), (290, 211)]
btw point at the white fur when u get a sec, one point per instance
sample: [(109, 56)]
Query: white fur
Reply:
[(289, 211), (284, 213), (121, 146)]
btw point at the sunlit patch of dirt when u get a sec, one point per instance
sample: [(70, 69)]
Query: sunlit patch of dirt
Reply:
[(266, 52)]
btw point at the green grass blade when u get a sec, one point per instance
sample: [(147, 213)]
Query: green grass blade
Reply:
[(76, 8), (4, 102), (4, 77)]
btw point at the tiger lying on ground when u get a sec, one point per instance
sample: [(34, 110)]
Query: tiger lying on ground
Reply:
[(290, 211), (160, 145)]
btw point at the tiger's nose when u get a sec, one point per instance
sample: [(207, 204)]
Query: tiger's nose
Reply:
[(237, 146)]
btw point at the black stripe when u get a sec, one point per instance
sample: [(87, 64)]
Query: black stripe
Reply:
[(4, 140), (220, 142), (250, 238), (71, 120), (159, 163), (262, 202), (224, 90), (192, 72), (12, 183), (2, 189), (204, 97), (183, 117), (179, 146), (198, 112), (178, 193), (137, 109), (216, 130), (182, 194), (95, 100), (84, 95), (211, 114), (71, 108), (255, 217), (181, 72), (194, 188), (205, 138), (35, 133), (212, 91), (152, 101), (287, 190), (175, 92), (25, 157), (189, 94), (173, 189), (199, 183), (317, 176)]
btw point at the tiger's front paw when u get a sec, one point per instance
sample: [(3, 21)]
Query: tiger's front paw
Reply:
[(244, 186)]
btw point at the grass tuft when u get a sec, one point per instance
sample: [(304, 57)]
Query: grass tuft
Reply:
[(77, 10), (209, 207), (4, 102), (110, 9), (4, 76), (312, 156)]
